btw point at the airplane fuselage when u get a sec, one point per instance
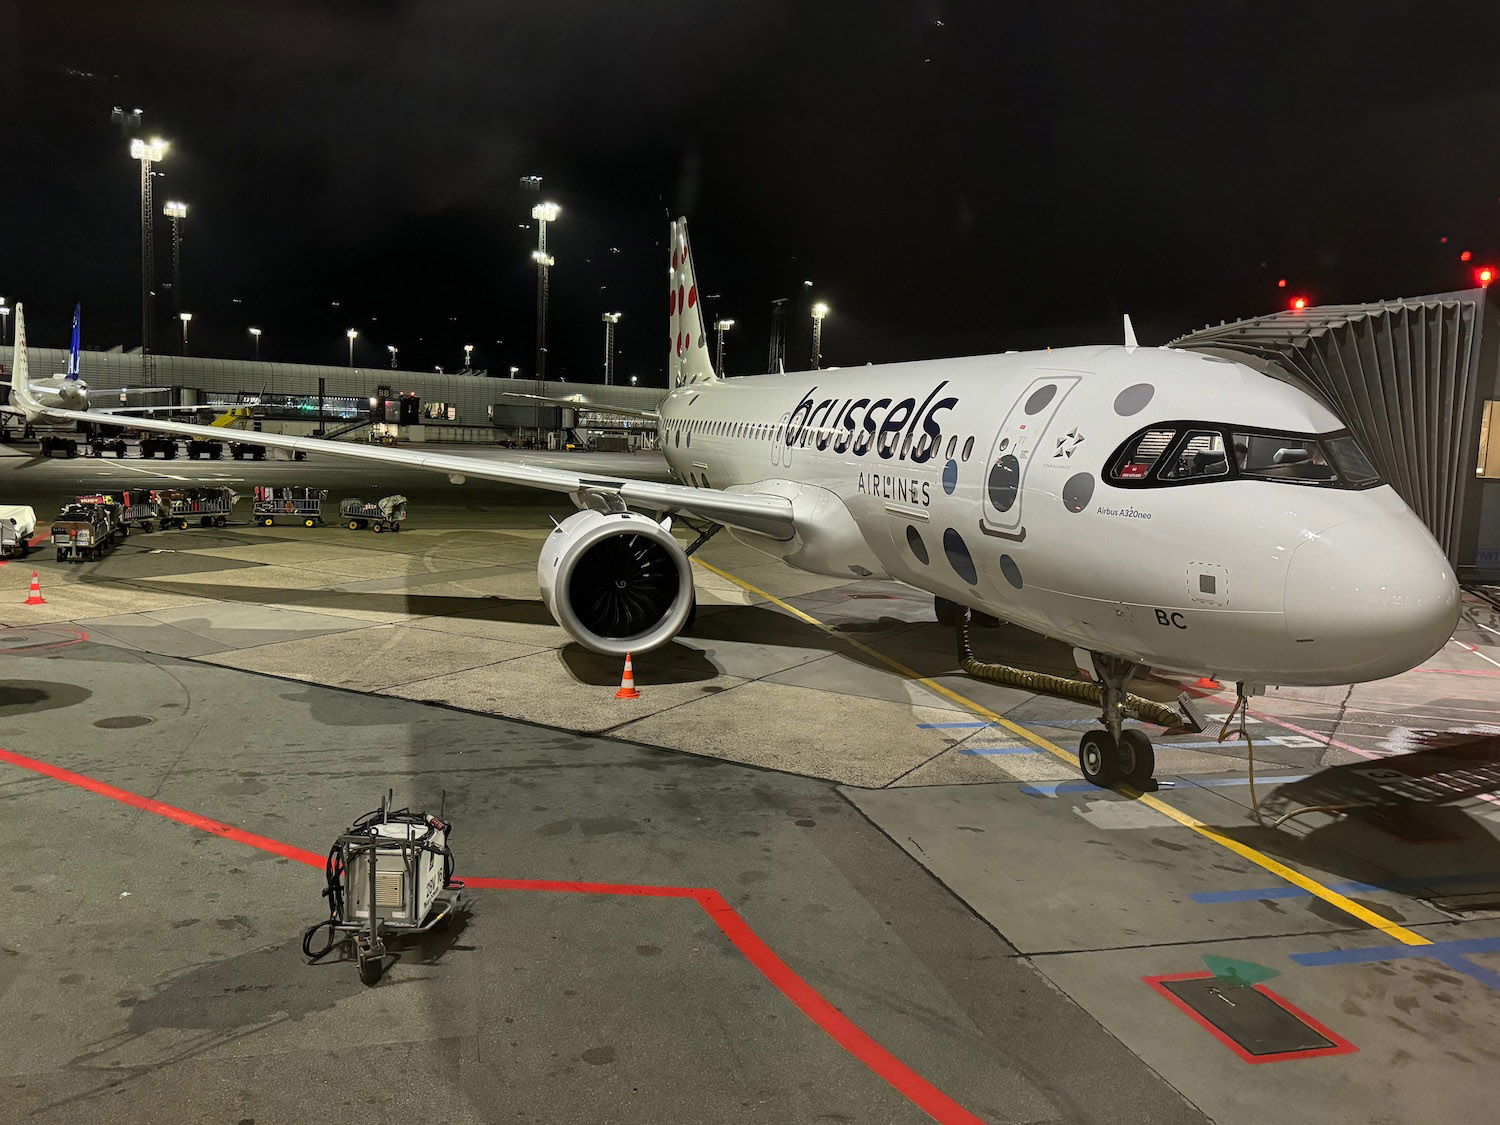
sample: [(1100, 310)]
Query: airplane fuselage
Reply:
[(997, 482)]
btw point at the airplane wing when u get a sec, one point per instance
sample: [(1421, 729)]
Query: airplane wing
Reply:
[(751, 511), (592, 407)]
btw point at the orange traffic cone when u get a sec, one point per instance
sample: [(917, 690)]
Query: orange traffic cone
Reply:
[(627, 683), (35, 597), (1208, 683)]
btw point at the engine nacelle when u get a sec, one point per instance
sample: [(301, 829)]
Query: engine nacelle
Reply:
[(616, 581)]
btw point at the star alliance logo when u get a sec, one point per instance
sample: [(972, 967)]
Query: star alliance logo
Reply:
[(1068, 443)]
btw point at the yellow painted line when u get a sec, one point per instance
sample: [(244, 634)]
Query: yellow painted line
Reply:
[(1244, 851)]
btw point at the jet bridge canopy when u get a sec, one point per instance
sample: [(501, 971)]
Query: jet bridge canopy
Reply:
[(1417, 380)]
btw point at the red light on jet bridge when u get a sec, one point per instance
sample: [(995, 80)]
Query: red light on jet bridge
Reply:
[(1485, 274), (1281, 284), (1465, 256), (1299, 303)]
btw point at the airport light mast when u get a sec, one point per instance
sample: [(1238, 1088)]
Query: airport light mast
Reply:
[(177, 211), (468, 357), (776, 359), (392, 349), (721, 327), (186, 318), (610, 320), (148, 153), (819, 311), (255, 335), (5, 316), (352, 335), (543, 213)]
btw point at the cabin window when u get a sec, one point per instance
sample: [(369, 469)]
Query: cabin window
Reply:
[(952, 445), (968, 449), (906, 445)]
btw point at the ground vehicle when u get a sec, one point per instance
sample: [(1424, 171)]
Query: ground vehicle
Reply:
[(205, 447), (239, 450), (304, 504), (81, 531), (382, 514), (54, 443), (98, 447), (152, 444), (141, 507), (209, 507), (17, 525)]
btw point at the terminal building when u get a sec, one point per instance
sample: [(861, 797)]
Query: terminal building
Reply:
[(424, 406)]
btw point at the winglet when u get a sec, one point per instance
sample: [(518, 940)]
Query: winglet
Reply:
[(1130, 340)]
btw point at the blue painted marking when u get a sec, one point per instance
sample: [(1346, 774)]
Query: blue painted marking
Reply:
[(990, 751), (1058, 788), (1438, 950), (1343, 888)]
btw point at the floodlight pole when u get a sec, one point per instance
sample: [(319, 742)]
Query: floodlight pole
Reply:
[(776, 360), (351, 335), (721, 326), (819, 311), (255, 335), (610, 320), (177, 212), (148, 153), (543, 213)]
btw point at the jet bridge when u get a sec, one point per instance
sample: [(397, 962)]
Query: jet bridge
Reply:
[(1418, 382)]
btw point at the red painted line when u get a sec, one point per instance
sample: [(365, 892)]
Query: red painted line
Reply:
[(78, 637), (840, 1028), (1462, 671), (171, 812), (1341, 1046), (844, 1031)]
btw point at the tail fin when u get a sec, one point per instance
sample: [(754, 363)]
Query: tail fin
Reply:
[(689, 361), (20, 374), (72, 375)]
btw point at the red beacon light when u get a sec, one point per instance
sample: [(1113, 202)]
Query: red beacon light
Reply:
[(1485, 274), (1465, 256), (1299, 303)]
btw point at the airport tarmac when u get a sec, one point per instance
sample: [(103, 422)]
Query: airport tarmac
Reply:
[(896, 846)]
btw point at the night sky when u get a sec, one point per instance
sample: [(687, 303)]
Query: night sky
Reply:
[(954, 178)]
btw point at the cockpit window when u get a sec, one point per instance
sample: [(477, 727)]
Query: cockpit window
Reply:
[(1282, 457), (1350, 461), (1175, 453), (1200, 453), (1141, 453)]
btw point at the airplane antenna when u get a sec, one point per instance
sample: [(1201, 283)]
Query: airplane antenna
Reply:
[(1130, 340)]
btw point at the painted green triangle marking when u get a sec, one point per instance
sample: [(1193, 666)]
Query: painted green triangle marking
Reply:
[(1243, 973)]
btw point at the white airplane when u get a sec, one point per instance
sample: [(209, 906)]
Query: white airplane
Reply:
[(1154, 508)]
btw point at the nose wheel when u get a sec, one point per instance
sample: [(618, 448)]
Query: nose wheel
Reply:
[(1115, 754), (1106, 760)]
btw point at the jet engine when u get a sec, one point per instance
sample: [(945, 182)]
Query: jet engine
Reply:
[(616, 581)]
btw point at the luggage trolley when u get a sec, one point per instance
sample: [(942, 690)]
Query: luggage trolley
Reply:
[(143, 506), (390, 874), (210, 507), (382, 514), (304, 504)]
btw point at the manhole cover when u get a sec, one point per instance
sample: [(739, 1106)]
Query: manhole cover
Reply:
[(32, 638), (121, 722)]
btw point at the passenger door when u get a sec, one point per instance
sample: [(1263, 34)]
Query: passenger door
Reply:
[(1019, 442)]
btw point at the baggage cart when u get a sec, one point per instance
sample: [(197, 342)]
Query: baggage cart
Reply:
[(381, 515), (143, 508), (207, 507), (80, 532), (113, 512), (17, 525), (304, 505)]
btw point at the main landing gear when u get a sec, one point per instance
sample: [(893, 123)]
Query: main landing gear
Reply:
[(1115, 754)]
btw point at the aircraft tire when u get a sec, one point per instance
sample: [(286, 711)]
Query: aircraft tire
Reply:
[(1137, 757), (1099, 758)]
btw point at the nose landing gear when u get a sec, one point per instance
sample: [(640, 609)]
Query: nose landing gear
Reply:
[(1115, 754)]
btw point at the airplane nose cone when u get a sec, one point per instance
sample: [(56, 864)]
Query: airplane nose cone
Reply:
[(1370, 598)]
